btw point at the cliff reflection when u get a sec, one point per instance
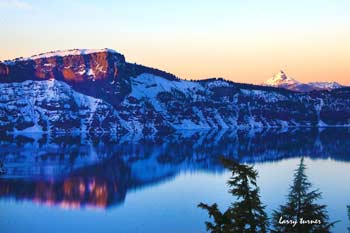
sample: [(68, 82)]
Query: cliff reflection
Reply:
[(99, 186), (74, 172)]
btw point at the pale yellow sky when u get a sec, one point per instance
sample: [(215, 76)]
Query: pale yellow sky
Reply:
[(242, 42)]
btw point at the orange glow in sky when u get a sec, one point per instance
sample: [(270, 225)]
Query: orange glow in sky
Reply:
[(238, 40)]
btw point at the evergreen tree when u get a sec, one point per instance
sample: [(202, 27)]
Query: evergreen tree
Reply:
[(301, 208), (246, 214)]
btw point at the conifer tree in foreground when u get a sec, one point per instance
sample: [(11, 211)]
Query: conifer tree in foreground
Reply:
[(301, 208), (246, 214)]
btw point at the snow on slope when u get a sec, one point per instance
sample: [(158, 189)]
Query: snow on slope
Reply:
[(52, 105), (185, 105), (148, 86)]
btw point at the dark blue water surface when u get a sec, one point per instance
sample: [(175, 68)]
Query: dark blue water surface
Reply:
[(135, 183)]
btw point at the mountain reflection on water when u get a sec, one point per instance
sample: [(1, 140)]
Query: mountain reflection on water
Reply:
[(74, 172)]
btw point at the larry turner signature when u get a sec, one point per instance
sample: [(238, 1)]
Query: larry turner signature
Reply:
[(301, 221)]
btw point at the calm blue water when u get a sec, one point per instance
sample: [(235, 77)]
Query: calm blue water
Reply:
[(153, 184)]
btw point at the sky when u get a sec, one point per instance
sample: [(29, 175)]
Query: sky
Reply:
[(241, 40)]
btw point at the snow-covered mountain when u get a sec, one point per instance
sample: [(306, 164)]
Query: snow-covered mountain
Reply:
[(97, 91), (283, 81)]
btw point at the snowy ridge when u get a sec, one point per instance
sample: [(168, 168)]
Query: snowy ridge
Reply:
[(62, 53), (106, 94), (325, 85), (158, 104)]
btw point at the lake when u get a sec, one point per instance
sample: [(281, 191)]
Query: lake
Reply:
[(151, 184)]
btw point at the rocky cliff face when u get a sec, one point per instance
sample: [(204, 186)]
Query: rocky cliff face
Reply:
[(92, 72), (98, 91), (72, 66)]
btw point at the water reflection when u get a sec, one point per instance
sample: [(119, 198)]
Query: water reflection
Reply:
[(75, 172), (99, 185)]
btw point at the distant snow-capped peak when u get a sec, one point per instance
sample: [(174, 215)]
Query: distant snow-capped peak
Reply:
[(280, 79), (283, 81)]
